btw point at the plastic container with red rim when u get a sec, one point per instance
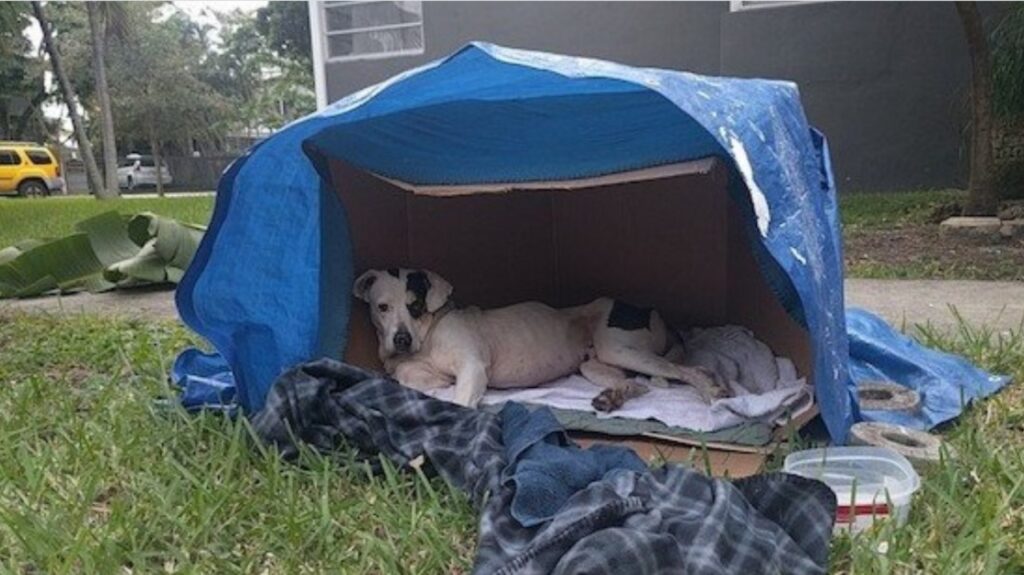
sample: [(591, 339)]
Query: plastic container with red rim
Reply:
[(870, 483)]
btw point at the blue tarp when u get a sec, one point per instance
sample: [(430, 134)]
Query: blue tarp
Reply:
[(263, 287), (945, 382)]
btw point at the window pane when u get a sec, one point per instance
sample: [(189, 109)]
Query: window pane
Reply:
[(39, 158), (352, 16), (147, 163), (375, 42), (9, 158)]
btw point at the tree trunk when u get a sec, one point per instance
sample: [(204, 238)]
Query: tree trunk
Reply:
[(158, 161), (5, 128), (982, 199), (68, 93), (99, 66)]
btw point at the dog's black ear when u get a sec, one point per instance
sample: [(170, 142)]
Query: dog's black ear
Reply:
[(361, 288), (439, 292)]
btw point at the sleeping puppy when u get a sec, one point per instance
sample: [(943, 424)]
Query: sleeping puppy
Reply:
[(425, 342)]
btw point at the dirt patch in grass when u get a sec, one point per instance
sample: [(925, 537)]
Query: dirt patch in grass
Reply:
[(920, 251), (896, 236)]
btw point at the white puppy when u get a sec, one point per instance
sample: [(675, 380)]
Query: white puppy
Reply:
[(425, 342)]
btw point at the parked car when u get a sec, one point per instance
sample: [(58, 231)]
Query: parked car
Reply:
[(137, 170), (28, 169)]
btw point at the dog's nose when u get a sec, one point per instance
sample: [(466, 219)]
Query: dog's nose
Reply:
[(403, 341)]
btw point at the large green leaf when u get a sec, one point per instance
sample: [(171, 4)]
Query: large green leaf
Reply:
[(64, 262), (146, 265), (9, 253), (108, 235), (108, 251), (176, 242)]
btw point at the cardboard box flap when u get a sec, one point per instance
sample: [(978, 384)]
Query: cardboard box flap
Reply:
[(700, 166)]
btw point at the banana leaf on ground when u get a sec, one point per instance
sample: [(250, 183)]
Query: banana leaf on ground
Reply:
[(106, 252)]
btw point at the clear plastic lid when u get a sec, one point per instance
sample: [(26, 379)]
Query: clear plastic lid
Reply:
[(863, 473)]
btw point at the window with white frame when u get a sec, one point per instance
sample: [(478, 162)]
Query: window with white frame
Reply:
[(365, 29), (738, 5)]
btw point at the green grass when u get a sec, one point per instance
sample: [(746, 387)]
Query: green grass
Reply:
[(94, 479), (968, 516), (22, 218), (874, 210), (894, 236), (1006, 270)]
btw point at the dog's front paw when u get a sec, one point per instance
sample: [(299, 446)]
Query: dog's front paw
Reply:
[(614, 398), (608, 400)]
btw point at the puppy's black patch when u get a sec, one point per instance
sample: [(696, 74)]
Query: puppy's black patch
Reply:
[(367, 283), (394, 272), (419, 284), (629, 317)]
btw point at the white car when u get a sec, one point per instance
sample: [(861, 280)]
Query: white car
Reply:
[(136, 170)]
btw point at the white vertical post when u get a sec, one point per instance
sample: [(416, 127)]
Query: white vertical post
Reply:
[(318, 45)]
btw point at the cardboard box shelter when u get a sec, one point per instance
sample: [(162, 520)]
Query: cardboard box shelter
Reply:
[(668, 237)]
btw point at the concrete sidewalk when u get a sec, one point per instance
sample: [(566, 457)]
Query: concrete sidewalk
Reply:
[(999, 305), (142, 302)]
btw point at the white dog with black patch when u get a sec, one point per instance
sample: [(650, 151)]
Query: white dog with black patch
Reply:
[(425, 342)]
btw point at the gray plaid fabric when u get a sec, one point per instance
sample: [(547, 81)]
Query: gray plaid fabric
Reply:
[(666, 520)]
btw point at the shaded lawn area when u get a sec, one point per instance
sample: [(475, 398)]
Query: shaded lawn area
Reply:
[(866, 211), (23, 218), (95, 479), (891, 236)]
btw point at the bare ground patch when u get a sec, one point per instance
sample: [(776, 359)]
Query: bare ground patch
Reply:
[(920, 252)]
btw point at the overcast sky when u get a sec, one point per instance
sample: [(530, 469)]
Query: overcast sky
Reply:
[(204, 12)]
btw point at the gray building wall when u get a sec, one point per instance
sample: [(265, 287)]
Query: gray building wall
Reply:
[(664, 34), (886, 82)]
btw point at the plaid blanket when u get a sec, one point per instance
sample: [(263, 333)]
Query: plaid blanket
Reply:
[(666, 520)]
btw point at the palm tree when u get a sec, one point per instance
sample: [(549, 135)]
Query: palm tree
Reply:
[(100, 15), (68, 93), (982, 199)]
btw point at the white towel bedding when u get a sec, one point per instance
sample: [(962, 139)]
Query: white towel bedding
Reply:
[(764, 387)]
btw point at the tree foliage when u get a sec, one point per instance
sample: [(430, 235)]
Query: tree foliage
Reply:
[(155, 88), (285, 26), (171, 81), (264, 67), (22, 90), (1008, 62), (69, 95)]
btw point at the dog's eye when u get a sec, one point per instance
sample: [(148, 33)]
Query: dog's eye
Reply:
[(383, 307)]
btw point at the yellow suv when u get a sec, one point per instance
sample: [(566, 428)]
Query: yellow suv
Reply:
[(28, 169)]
